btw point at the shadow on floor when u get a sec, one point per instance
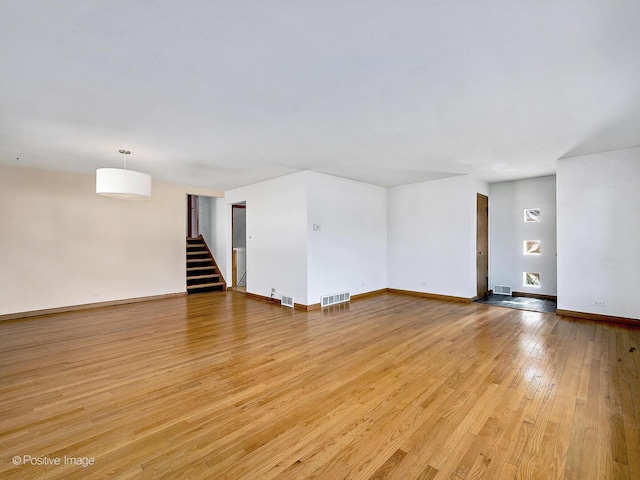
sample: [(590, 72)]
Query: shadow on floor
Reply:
[(520, 303)]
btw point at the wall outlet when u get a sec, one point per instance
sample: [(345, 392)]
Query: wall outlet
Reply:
[(424, 284), (598, 303)]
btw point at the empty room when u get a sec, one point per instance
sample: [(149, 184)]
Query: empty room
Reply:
[(319, 240)]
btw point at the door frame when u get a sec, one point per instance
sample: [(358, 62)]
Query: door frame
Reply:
[(482, 245), (234, 259)]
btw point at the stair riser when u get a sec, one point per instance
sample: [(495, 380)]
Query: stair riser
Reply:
[(200, 281), (206, 289), (199, 263)]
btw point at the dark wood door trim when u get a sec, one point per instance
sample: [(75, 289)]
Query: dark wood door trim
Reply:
[(193, 228), (482, 245)]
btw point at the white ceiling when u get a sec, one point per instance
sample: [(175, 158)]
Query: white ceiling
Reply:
[(225, 93)]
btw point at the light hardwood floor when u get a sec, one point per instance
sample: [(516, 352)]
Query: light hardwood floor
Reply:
[(219, 386)]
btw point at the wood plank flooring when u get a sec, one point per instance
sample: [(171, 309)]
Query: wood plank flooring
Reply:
[(219, 386)]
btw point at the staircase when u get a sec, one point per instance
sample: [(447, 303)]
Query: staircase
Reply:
[(203, 274)]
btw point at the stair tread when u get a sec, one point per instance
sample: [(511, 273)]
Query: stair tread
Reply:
[(205, 285), (204, 268)]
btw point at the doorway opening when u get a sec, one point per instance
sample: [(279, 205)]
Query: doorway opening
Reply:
[(202, 271), (239, 246)]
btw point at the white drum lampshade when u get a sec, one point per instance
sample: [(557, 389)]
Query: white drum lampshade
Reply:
[(123, 184)]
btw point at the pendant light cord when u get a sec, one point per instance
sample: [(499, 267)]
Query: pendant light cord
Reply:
[(124, 156)]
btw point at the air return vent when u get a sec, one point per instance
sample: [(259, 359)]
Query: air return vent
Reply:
[(502, 289), (286, 301), (327, 300)]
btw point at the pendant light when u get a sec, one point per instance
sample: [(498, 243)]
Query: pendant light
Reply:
[(122, 183)]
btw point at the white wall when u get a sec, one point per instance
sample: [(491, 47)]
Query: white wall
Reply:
[(276, 236), (432, 236), (508, 231), (220, 245), (285, 253), (206, 219), (599, 232), (63, 245), (349, 252)]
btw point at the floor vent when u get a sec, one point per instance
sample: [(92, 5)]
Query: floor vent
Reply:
[(502, 289), (334, 299), (286, 301)]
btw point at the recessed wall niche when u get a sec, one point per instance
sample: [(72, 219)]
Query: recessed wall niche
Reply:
[(531, 215), (531, 279), (531, 247)]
